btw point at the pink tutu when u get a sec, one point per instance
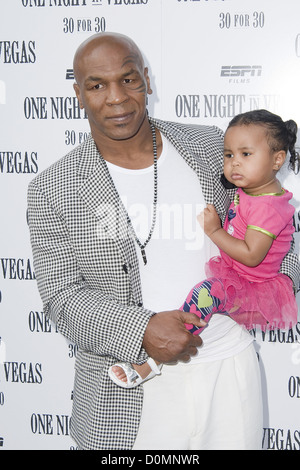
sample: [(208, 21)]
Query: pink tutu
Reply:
[(269, 304)]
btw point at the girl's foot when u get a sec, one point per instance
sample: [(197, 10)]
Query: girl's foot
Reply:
[(142, 370), (127, 375)]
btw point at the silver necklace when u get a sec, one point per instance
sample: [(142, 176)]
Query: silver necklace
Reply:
[(141, 245)]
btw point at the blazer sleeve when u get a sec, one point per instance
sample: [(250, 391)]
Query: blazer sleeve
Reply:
[(290, 266), (86, 316)]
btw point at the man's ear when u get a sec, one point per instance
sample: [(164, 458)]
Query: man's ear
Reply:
[(77, 91), (146, 75)]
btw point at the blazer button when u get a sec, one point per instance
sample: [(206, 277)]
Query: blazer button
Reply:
[(125, 268)]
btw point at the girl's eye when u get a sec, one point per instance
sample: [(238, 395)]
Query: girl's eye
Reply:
[(228, 155)]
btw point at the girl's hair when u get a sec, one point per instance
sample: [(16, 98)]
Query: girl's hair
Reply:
[(281, 135)]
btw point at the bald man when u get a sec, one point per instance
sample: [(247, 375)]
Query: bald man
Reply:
[(112, 271)]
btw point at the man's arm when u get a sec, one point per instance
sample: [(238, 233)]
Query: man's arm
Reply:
[(290, 266)]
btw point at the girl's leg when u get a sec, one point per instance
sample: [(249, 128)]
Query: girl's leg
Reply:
[(201, 301)]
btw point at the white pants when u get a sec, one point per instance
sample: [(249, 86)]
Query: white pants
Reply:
[(211, 405)]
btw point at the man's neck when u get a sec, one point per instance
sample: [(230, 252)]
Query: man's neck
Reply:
[(133, 153)]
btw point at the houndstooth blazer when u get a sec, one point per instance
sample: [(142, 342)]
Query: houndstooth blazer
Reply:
[(88, 277)]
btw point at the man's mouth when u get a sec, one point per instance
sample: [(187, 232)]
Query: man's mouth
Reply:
[(120, 118)]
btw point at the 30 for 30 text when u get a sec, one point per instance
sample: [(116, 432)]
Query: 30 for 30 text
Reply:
[(242, 20), (83, 25)]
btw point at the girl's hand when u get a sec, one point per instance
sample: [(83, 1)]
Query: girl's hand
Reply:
[(250, 251), (209, 220)]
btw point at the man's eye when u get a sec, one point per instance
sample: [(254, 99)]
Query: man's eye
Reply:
[(98, 86)]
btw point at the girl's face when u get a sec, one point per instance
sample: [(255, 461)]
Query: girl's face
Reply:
[(249, 162)]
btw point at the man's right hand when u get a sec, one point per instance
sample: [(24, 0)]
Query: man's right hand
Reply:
[(166, 338)]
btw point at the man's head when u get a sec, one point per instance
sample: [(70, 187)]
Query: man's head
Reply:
[(112, 85)]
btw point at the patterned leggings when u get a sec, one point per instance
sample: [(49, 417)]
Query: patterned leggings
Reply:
[(201, 302)]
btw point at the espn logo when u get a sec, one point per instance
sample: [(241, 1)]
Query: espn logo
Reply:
[(241, 71)]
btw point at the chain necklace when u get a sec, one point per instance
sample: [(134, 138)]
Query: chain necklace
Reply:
[(141, 245)]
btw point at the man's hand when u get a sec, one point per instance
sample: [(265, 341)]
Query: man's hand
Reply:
[(166, 338)]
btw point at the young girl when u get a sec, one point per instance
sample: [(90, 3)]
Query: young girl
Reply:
[(244, 281)]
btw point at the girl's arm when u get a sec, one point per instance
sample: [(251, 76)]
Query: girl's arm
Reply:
[(250, 251)]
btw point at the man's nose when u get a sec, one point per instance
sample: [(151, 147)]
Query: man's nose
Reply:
[(116, 94)]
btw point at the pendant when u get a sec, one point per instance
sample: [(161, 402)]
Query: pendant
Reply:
[(144, 256), (236, 200), (230, 229)]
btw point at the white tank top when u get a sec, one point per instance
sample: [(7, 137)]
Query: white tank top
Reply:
[(178, 249)]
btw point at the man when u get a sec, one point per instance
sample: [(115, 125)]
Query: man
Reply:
[(112, 275)]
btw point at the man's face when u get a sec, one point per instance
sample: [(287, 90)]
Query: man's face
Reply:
[(112, 86)]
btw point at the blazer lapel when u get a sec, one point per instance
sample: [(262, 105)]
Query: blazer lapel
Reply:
[(195, 156), (180, 142), (103, 201), (99, 194)]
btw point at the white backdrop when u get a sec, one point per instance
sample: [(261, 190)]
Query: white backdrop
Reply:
[(208, 60)]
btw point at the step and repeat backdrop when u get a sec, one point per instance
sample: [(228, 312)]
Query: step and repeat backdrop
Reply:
[(208, 60)]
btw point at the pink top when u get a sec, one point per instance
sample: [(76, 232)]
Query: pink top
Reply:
[(269, 213)]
